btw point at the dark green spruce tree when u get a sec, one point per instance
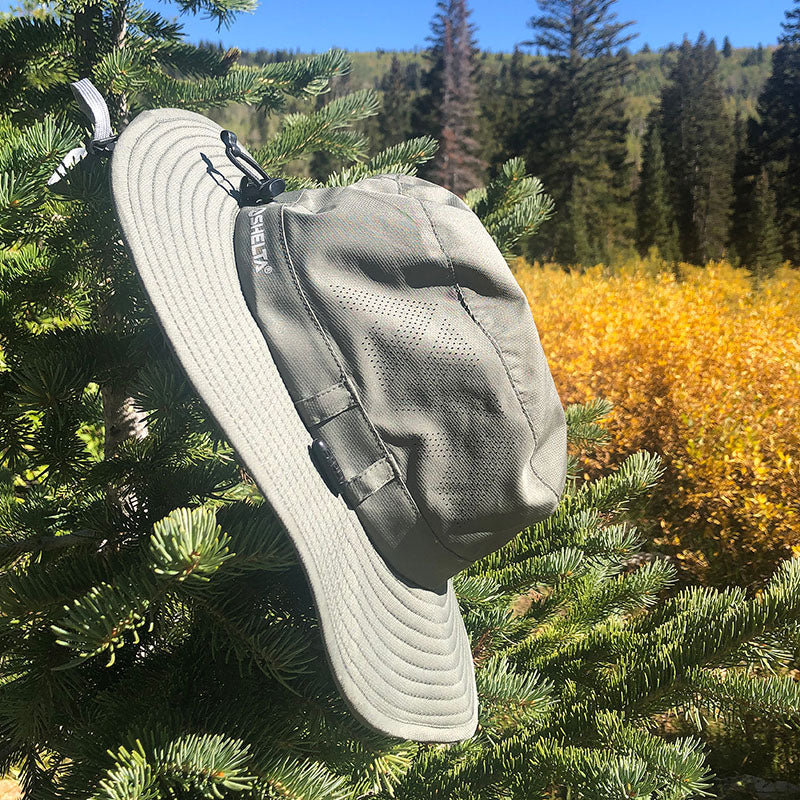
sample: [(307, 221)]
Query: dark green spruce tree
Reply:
[(503, 98), (779, 147), (762, 253), (157, 636), (697, 137), (426, 115), (394, 121), (575, 129), (746, 167), (754, 235), (727, 48), (655, 222)]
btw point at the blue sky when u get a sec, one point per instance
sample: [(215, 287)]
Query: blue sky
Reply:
[(391, 25)]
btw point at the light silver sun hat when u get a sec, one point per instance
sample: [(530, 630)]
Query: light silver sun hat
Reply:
[(371, 359)]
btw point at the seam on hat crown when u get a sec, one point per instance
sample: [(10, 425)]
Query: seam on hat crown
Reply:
[(373, 431), (465, 304)]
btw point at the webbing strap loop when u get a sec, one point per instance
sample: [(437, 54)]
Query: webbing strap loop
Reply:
[(100, 144), (367, 482), (326, 405), (93, 104)]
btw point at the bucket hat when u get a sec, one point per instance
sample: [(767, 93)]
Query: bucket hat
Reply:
[(374, 364)]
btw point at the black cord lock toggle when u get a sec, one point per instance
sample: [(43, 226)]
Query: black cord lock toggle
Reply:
[(257, 187)]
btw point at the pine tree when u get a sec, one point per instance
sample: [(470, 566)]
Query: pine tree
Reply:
[(157, 638), (779, 148), (447, 109), (697, 138), (655, 223), (324, 161), (746, 223), (503, 99), (727, 48), (762, 251), (576, 128), (394, 123), (114, 480)]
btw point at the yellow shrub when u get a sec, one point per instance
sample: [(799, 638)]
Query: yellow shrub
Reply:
[(705, 370)]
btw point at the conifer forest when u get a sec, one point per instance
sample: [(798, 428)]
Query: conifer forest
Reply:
[(158, 637)]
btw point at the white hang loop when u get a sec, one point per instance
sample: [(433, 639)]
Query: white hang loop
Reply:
[(94, 106)]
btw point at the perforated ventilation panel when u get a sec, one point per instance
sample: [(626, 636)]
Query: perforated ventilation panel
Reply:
[(459, 443), (418, 307)]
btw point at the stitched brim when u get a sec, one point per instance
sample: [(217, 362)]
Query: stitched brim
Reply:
[(399, 653)]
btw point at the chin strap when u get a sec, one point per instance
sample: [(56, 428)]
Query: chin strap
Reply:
[(102, 141)]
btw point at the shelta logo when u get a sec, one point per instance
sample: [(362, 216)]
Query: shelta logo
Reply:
[(258, 252)]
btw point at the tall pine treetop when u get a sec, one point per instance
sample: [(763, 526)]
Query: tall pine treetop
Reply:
[(791, 26), (575, 129), (448, 105), (579, 29), (697, 137), (779, 145), (655, 221)]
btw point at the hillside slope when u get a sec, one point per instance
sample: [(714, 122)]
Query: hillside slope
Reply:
[(743, 74)]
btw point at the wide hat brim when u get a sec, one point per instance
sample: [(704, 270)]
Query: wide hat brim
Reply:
[(399, 653)]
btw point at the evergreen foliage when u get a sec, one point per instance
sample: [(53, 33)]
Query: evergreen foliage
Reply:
[(697, 138), (727, 48), (746, 168), (655, 223), (125, 659), (157, 636), (575, 128), (763, 253), (511, 206), (504, 98), (508, 121), (395, 119), (754, 235), (779, 109)]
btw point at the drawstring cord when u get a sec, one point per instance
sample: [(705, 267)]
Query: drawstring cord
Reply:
[(257, 186)]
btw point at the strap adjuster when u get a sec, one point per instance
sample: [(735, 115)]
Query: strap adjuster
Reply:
[(102, 147)]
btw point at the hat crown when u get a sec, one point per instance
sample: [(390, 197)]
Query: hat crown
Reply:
[(446, 432)]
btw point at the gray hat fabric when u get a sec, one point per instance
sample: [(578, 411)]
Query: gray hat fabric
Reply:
[(371, 359)]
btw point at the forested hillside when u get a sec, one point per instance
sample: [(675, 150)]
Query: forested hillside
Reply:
[(505, 105), (742, 75)]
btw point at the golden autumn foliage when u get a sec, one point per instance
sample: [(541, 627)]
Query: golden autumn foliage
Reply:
[(704, 368)]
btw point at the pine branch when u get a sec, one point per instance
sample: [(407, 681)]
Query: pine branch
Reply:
[(322, 130), (511, 699), (731, 693), (200, 764), (222, 11), (583, 424), (291, 777), (401, 159), (45, 544), (512, 206), (186, 547)]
